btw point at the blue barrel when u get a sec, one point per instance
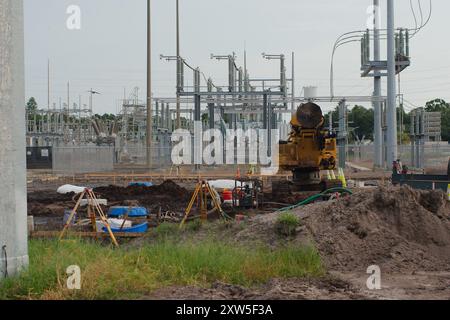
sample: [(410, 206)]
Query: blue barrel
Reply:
[(140, 228), (116, 212)]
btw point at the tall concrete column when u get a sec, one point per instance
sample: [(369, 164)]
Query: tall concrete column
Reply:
[(378, 134), (391, 110), (13, 189)]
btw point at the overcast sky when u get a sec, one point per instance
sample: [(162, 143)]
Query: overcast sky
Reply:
[(108, 54)]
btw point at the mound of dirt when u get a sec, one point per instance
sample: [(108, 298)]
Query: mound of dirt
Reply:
[(49, 203), (168, 196), (167, 188), (397, 228), (48, 197)]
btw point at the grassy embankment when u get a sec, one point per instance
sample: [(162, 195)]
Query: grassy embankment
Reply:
[(135, 271)]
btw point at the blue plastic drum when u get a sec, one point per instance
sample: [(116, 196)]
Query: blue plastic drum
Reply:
[(133, 212)]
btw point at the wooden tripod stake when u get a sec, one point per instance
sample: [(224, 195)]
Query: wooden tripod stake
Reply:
[(93, 206), (201, 195)]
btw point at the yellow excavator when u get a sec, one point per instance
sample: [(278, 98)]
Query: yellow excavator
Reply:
[(309, 149)]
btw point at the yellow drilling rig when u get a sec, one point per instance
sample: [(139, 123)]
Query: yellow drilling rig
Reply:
[(309, 149)]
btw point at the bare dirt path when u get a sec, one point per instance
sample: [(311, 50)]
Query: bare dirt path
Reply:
[(418, 286)]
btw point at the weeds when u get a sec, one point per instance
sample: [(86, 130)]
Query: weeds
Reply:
[(287, 223), (167, 230), (194, 225), (109, 273)]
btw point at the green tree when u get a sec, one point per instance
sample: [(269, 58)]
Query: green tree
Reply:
[(446, 125), (105, 116), (32, 105), (361, 119), (437, 105)]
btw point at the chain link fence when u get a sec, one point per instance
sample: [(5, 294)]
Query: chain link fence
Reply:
[(83, 159), (434, 155)]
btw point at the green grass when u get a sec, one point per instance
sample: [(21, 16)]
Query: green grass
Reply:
[(287, 223), (109, 273), (167, 230), (195, 225)]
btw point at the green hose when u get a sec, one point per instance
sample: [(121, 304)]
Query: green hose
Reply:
[(315, 197)]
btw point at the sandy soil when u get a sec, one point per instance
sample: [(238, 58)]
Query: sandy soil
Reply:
[(414, 286), (337, 286), (275, 289)]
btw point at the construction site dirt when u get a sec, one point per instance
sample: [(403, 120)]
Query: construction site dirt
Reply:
[(167, 195), (403, 231)]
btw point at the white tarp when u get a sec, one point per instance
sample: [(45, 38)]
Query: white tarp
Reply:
[(68, 188), (113, 223), (222, 184)]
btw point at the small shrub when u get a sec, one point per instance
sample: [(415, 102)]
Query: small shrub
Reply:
[(287, 223)]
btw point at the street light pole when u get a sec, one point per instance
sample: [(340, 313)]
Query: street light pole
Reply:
[(378, 134), (293, 82), (391, 98), (178, 126), (149, 87)]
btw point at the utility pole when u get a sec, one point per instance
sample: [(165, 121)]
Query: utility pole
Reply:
[(231, 80), (90, 100), (342, 134), (67, 122), (293, 82), (378, 134), (48, 96), (149, 87), (68, 98), (330, 124), (391, 86), (13, 188), (179, 61), (48, 84), (79, 120)]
